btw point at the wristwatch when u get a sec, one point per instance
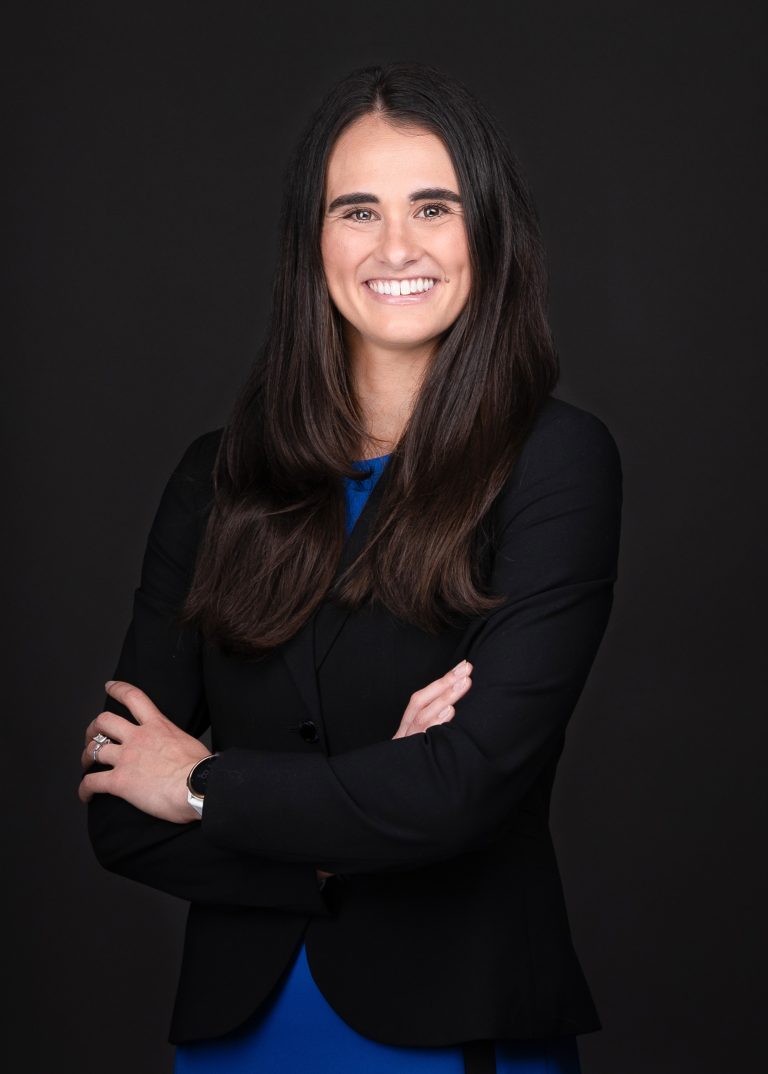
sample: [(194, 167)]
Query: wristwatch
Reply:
[(197, 782)]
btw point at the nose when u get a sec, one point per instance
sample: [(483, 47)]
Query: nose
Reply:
[(398, 244)]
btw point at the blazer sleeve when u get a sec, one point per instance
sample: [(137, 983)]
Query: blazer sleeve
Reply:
[(428, 797), (163, 659)]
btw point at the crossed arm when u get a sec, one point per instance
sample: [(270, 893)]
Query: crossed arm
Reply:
[(418, 798), (150, 757)]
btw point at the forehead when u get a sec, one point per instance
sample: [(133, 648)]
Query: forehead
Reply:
[(373, 155)]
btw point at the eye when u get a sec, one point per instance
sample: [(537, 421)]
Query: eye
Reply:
[(434, 211), (353, 215)]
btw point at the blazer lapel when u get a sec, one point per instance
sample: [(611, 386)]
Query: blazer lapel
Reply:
[(330, 617), (305, 651), (298, 654)]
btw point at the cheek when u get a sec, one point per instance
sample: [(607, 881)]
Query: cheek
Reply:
[(338, 256), (458, 264), (461, 253), (453, 253), (327, 257), (338, 266)]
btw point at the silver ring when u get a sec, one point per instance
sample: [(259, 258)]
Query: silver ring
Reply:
[(99, 740)]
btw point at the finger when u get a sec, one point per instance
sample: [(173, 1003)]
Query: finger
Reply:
[(134, 699), (438, 711), (422, 716), (94, 783), (418, 726), (106, 754), (432, 713), (434, 689), (444, 715), (459, 688), (110, 724)]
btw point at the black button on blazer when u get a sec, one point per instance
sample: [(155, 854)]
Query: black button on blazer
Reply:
[(446, 922)]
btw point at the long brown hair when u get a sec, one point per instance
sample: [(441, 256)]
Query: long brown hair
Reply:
[(276, 528)]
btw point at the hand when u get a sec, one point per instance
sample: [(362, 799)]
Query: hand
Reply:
[(431, 705), (435, 703), (150, 761)]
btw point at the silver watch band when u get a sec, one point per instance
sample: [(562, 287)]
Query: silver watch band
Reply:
[(196, 803)]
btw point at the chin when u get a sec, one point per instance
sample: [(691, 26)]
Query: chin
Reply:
[(405, 335), (405, 342)]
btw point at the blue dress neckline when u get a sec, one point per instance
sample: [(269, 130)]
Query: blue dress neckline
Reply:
[(375, 459), (357, 490)]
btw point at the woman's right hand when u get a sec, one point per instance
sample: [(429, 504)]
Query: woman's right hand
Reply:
[(434, 703)]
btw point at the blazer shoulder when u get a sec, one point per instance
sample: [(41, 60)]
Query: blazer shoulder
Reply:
[(564, 435), (193, 474), (199, 458), (188, 492), (180, 521)]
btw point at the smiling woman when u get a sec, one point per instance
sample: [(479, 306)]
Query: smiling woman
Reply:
[(396, 259), (382, 586)]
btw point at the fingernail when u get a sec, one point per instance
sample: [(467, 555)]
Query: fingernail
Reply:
[(110, 683), (460, 669)]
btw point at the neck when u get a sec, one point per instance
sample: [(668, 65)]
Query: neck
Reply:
[(386, 383)]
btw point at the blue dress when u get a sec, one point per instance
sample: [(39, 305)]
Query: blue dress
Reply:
[(297, 1031)]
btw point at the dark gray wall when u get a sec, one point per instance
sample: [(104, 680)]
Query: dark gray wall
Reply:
[(148, 143)]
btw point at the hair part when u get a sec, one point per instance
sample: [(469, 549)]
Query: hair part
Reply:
[(275, 533)]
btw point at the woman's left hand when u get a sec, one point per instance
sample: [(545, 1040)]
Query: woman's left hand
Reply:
[(150, 760)]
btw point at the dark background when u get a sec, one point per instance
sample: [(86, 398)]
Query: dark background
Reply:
[(148, 143)]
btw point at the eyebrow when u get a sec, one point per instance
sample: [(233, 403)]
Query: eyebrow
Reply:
[(428, 193)]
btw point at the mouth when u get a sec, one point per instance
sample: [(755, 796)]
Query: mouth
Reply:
[(412, 288)]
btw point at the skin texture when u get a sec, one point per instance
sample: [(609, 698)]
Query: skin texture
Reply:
[(150, 761), (389, 343)]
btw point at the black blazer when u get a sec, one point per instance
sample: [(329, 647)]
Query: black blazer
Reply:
[(446, 922)]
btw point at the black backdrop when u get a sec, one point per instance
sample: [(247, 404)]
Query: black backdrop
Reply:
[(148, 143)]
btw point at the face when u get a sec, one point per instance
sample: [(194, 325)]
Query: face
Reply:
[(394, 243)]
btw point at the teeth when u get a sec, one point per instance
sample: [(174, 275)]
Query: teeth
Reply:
[(402, 287)]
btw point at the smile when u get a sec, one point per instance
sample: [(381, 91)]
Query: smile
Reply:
[(402, 287)]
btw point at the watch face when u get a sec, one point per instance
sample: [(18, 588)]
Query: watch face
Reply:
[(198, 781)]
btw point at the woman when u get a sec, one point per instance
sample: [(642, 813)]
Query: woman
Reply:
[(397, 500)]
